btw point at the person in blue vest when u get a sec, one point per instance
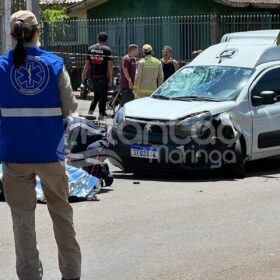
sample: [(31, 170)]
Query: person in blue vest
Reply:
[(35, 96)]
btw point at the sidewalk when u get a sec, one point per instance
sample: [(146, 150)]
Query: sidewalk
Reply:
[(89, 97), (83, 106)]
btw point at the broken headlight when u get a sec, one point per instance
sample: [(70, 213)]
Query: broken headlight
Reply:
[(197, 125)]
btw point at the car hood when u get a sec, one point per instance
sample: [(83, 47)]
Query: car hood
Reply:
[(155, 109)]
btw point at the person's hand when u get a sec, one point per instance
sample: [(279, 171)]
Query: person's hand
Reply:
[(134, 90), (130, 84), (110, 83)]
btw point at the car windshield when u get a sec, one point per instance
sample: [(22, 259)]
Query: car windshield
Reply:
[(214, 83)]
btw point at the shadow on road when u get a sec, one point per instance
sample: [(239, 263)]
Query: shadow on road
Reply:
[(105, 190), (266, 168)]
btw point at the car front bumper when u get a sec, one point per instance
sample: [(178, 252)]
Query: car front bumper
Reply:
[(171, 157)]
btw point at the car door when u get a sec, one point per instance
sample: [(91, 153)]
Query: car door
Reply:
[(266, 117)]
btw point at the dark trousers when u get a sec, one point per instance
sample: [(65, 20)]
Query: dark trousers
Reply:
[(127, 95), (100, 89)]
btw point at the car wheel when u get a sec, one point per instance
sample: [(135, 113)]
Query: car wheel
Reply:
[(237, 169), (109, 181)]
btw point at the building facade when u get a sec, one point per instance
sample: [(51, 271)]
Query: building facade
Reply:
[(146, 8)]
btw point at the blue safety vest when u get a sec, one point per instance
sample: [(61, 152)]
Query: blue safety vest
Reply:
[(31, 121)]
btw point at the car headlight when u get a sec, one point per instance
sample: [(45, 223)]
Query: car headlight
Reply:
[(194, 125), (119, 118)]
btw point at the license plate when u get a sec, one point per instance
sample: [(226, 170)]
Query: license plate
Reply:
[(144, 152)]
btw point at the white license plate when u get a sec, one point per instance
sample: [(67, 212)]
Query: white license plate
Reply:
[(144, 152)]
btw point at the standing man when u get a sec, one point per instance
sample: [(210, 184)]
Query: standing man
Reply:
[(128, 69), (169, 65), (100, 65), (149, 74), (36, 94)]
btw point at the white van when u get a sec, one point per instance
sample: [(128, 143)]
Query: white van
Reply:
[(222, 109)]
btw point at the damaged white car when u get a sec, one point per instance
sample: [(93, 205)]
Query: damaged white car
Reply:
[(222, 109)]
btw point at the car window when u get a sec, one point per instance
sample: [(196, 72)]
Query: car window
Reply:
[(269, 81), (217, 82)]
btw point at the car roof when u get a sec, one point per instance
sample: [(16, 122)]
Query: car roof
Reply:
[(267, 36), (242, 49)]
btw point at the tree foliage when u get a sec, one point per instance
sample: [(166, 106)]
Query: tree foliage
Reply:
[(54, 13)]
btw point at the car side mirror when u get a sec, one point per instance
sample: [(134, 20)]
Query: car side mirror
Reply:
[(265, 98)]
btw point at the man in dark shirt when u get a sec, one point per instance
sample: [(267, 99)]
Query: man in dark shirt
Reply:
[(100, 65), (128, 69), (169, 65)]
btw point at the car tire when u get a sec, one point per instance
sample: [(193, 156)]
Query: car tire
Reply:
[(109, 181), (237, 169)]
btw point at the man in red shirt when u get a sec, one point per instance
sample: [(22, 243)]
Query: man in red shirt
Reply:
[(128, 69)]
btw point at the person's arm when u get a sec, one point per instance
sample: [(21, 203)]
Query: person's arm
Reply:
[(126, 74), (110, 72), (109, 58), (160, 78), (86, 70), (87, 66), (176, 65), (68, 100), (137, 79)]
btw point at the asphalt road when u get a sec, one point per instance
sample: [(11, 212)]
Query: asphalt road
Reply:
[(201, 226)]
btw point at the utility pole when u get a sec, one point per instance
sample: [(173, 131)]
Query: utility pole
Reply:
[(5, 14), (5, 36), (215, 25), (1, 25), (33, 5)]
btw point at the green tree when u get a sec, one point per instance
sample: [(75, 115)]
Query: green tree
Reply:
[(55, 13), (58, 23)]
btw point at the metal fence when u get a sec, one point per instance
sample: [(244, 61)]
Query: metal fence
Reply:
[(237, 23), (184, 34), (70, 39), (17, 5)]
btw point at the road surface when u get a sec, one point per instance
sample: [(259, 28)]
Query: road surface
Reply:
[(202, 226)]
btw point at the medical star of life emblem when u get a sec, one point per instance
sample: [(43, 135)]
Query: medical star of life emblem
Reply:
[(32, 77)]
